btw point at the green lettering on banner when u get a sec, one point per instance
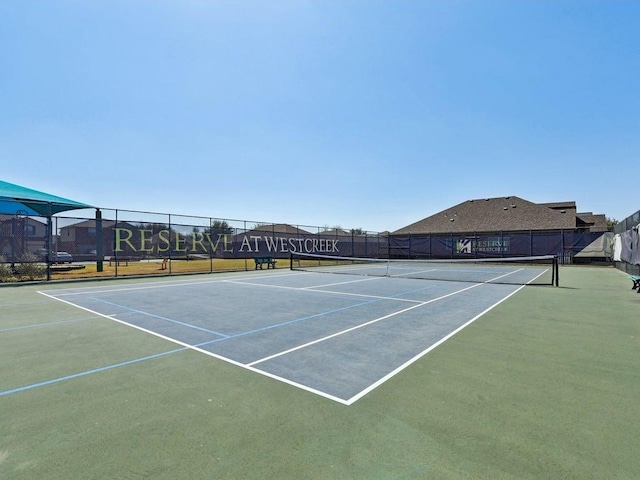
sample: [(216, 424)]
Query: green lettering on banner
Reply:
[(179, 242), (127, 239), (144, 238), (195, 242), (163, 236), (228, 243), (214, 246), (199, 242)]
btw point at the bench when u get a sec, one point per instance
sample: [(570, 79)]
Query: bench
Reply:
[(636, 282), (269, 261), (118, 260)]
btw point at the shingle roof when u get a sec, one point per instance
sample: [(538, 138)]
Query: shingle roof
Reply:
[(335, 231), (278, 228), (496, 214), (595, 222), (5, 218)]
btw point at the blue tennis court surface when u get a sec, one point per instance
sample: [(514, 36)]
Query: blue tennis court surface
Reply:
[(338, 336)]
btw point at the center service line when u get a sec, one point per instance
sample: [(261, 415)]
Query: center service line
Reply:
[(361, 325)]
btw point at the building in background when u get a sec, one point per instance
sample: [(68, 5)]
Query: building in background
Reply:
[(504, 214), (502, 227)]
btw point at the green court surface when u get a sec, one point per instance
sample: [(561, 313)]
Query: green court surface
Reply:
[(544, 385)]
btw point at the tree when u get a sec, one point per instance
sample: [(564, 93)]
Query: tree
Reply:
[(219, 227)]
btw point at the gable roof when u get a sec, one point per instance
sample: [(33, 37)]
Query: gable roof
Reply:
[(16, 199), (91, 223), (31, 220), (595, 222), (496, 214), (276, 228)]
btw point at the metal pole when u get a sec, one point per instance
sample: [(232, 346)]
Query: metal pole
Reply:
[(99, 242)]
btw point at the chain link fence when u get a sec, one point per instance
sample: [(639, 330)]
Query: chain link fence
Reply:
[(622, 228), (114, 243)]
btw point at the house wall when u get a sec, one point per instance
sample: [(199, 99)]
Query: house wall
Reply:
[(20, 235)]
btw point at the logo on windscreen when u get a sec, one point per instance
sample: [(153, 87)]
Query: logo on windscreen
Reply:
[(464, 246), (485, 245)]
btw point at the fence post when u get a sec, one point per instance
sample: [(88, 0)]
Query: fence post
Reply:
[(99, 247)]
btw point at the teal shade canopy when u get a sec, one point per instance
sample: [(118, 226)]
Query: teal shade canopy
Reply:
[(15, 199)]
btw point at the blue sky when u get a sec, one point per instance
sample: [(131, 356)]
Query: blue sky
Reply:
[(360, 113)]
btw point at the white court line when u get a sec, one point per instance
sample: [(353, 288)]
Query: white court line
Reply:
[(250, 366), (391, 374), (112, 317), (403, 274), (299, 347), (127, 287), (326, 292), (370, 322), (201, 350), (332, 284)]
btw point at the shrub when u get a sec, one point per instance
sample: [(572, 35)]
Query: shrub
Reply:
[(6, 274), (29, 268)]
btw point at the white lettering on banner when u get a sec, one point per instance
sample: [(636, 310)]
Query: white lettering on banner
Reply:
[(245, 243), (288, 244), (492, 245), (271, 243), (292, 245)]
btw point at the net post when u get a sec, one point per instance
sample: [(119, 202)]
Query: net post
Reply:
[(556, 270)]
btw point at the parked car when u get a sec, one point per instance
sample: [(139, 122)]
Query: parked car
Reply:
[(55, 257), (61, 257)]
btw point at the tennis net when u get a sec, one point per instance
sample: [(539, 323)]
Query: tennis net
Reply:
[(539, 270)]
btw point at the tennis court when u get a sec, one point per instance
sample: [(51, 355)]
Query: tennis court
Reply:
[(338, 336), (291, 374)]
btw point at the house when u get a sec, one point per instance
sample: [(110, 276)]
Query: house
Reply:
[(499, 227), (276, 228), (335, 232), (21, 234), (506, 214), (81, 238)]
